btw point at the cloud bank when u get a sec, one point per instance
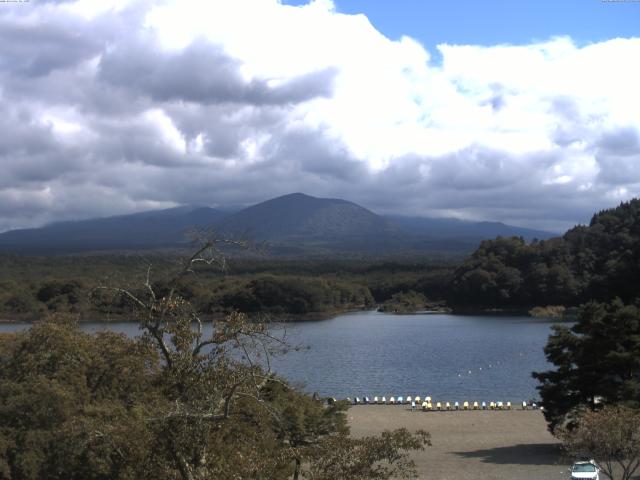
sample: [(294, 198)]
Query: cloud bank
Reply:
[(114, 107)]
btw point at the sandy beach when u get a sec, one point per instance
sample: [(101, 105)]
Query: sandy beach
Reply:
[(486, 445)]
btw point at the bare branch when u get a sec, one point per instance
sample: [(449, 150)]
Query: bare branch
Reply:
[(127, 294), (148, 285)]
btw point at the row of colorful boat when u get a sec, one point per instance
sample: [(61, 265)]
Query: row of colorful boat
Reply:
[(427, 403)]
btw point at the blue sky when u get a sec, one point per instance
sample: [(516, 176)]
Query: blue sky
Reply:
[(490, 22), (526, 114)]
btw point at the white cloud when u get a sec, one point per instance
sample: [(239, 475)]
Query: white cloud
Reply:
[(240, 100)]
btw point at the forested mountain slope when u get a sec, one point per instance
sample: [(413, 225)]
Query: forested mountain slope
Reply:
[(595, 262)]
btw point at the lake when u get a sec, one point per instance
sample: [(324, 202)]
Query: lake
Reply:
[(449, 357)]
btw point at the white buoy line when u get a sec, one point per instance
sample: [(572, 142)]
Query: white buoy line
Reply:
[(493, 365)]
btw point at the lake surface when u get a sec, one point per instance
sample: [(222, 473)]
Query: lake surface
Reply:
[(449, 357)]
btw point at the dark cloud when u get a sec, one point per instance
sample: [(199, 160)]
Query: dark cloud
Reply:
[(36, 50), (306, 151), (29, 151), (618, 156), (223, 128), (202, 73), (623, 141), (480, 168), (459, 185)]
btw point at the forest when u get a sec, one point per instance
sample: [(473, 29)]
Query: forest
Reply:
[(34, 287), (599, 262)]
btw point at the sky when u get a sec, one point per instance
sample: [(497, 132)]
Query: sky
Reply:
[(523, 112)]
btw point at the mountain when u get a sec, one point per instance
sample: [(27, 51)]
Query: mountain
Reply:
[(453, 228), (145, 230), (294, 224), (299, 216)]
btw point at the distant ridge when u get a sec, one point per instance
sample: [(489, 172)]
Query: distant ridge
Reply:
[(293, 224), (138, 231), (455, 228)]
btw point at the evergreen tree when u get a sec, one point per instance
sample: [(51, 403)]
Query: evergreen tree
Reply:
[(597, 360)]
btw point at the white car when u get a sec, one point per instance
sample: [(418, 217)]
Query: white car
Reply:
[(585, 470)]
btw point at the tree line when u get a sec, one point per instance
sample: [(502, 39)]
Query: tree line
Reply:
[(591, 396), (34, 287), (597, 262)]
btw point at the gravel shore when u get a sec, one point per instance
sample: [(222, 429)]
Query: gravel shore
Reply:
[(509, 444)]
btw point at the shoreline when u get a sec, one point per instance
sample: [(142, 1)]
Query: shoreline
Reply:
[(271, 318), (289, 317)]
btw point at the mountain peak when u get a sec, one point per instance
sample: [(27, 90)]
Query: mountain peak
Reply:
[(294, 195), (298, 215)]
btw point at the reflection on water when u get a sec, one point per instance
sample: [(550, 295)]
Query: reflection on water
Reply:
[(448, 357)]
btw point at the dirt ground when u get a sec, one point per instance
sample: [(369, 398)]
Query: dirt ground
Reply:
[(486, 445)]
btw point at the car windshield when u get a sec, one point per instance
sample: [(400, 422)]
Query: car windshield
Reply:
[(584, 467)]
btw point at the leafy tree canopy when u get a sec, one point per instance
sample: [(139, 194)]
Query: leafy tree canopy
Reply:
[(612, 436)]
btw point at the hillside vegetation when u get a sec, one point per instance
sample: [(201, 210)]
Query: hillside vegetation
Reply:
[(600, 261)]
